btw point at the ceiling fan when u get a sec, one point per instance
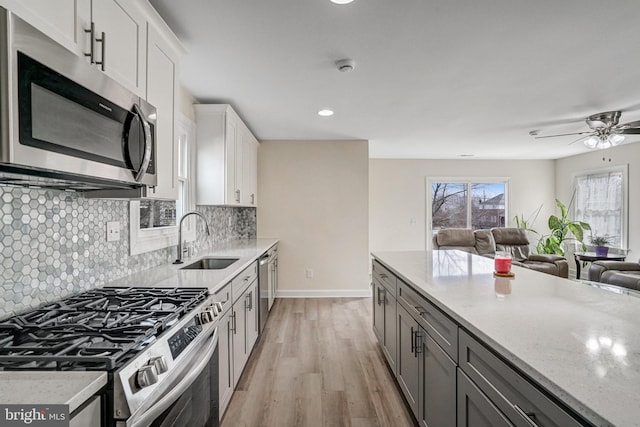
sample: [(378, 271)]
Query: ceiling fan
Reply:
[(605, 131)]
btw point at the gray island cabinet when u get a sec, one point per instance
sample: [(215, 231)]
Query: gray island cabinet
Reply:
[(469, 349)]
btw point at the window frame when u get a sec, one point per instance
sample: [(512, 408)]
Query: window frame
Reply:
[(624, 169), (146, 240), (430, 180)]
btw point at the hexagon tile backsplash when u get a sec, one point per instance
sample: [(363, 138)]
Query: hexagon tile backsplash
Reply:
[(53, 243)]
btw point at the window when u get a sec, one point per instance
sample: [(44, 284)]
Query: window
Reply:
[(459, 203), (601, 202), (153, 223)]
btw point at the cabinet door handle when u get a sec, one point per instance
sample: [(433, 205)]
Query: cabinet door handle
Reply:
[(253, 199), (527, 416), (379, 299), (249, 301), (238, 196), (91, 31), (233, 322), (383, 276), (418, 349), (412, 344), (103, 41)]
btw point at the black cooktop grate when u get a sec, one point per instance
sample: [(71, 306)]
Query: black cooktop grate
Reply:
[(96, 330)]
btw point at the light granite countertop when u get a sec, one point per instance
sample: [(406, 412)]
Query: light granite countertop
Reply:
[(171, 275), (37, 387), (579, 342)]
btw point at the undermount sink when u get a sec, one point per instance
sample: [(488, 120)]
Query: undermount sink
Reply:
[(210, 264)]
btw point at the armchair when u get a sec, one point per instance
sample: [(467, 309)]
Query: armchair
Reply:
[(619, 273), (515, 241)]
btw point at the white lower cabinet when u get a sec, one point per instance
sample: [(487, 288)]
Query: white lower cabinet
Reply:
[(238, 331), (225, 361)]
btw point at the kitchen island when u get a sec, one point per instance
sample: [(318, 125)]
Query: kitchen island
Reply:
[(574, 344)]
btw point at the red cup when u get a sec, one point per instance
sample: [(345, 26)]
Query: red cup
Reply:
[(502, 262)]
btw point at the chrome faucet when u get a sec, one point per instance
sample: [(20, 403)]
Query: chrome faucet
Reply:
[(206, 226)]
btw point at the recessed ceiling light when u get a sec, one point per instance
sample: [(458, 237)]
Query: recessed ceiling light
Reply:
[(341, 1), (325, 113), (467, 155)]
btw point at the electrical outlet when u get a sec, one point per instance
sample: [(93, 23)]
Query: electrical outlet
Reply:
[(309, 273), (113, 231)]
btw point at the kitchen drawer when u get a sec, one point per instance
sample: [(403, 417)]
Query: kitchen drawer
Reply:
[(514, 395), (385, 277), (243, 280), (223, 296), (443, 330)]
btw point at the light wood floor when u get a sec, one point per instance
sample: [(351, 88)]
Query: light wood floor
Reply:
[(317, 364)]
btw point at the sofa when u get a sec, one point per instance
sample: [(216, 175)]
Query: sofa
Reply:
[(511, 240), (619, 273)]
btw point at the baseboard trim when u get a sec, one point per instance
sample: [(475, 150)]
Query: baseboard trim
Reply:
[(328, 293)]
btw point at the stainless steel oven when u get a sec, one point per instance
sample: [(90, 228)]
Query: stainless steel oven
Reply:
[(191, 399), (64, 120)]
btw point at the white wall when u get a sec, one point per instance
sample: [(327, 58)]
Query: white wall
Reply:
[(314, 197), (625, 154), (397, 211)]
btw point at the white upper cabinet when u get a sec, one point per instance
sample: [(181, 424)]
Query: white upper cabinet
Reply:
[(79, 26), (227, 156), (249, 195), (62, 20), (162, 63), (119, 42)]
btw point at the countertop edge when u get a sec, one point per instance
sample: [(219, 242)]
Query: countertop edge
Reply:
[(25, 382)]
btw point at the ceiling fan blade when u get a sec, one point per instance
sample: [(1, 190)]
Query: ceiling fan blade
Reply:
[(635, 124), (582, 138), (630, 131), (561, 134)]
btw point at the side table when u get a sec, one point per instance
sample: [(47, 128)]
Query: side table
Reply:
[(591, 256)]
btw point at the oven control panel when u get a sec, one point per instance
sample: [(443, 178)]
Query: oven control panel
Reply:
[(181, 339)]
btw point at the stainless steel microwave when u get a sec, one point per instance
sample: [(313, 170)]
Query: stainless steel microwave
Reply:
[(65, 124)]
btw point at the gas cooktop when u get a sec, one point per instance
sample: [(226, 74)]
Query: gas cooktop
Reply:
[(96, 330)]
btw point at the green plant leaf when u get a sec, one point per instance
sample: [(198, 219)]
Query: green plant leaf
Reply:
[(576, 230), (554, 223), (585, 225), (563, 208)]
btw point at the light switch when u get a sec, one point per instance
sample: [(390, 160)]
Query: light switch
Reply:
[(113, 231)]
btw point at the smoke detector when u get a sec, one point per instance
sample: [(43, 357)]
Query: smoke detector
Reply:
[(345, 65)]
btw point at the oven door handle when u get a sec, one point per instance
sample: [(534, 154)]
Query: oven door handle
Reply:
[(169, 399)]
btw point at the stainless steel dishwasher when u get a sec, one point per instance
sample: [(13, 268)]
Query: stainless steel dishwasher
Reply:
[(263, 289)]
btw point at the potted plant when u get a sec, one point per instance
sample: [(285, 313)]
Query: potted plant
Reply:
[(601, 243), (559, 227)]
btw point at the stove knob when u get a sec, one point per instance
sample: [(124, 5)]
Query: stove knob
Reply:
[(159, 363), (147, 376), (201, 318), (219, 305), (211, 312)]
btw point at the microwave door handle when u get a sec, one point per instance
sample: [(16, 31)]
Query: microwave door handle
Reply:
[(147, 143), (170, 397)]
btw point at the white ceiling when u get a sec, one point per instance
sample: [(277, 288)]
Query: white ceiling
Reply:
[(434, 78)]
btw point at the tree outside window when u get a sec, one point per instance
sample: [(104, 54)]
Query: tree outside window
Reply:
[(467, 205)]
